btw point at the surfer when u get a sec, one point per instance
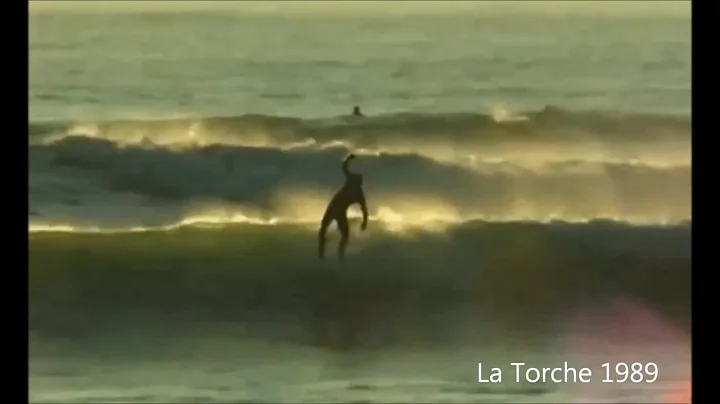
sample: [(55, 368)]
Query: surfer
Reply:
[(351, 193), (356, 112)]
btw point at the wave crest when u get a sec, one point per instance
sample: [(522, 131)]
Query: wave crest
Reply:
[(551, 132)]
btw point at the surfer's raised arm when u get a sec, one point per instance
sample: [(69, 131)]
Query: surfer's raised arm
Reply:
[(345, 166)]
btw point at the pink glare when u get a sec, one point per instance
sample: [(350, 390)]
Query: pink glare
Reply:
[(626, 330)]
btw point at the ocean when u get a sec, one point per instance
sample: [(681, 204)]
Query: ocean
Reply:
[(527, 168)]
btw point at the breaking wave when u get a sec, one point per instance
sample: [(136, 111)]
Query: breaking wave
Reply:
[(550, 134), (480, 224), (535, 165)]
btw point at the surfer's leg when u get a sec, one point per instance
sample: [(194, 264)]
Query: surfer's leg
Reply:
[(344, 228), (326, 220)]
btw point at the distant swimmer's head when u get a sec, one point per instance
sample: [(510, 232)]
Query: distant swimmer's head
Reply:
[(356, 111)]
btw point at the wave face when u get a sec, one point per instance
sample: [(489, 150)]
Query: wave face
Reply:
[(394, 289), (531, 165)]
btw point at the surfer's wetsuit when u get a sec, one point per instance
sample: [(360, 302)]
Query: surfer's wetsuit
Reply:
[(351, 193)]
